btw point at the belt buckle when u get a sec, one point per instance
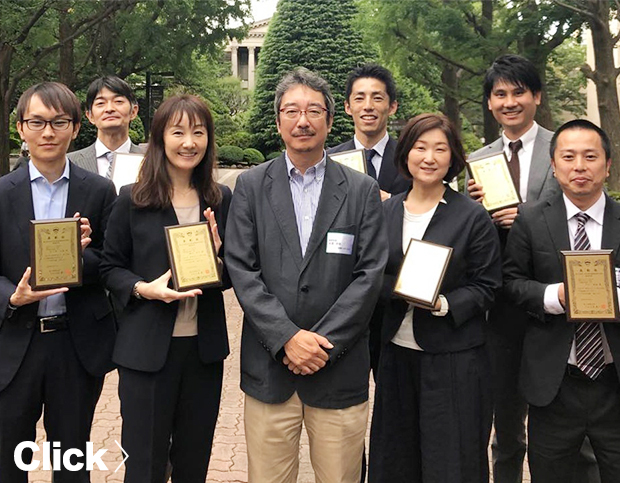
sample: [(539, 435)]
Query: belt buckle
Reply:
[(42, 321)]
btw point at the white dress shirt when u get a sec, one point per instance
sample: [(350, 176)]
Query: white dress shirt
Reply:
[(101, 151), (379, 150), (525, 157)]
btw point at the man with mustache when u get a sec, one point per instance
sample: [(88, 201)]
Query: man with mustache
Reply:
[(305, 251), (513, 90), (111, 105)]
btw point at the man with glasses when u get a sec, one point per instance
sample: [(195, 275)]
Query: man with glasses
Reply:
[(55, 344), (111, 105), (305, 252)]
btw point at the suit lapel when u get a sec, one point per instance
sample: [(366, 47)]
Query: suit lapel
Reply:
[(555, 217), (388, 171), (539, 167), (332, 197), (279, 195), (611, 226), (20, 197), (90, 159), (78, 191)]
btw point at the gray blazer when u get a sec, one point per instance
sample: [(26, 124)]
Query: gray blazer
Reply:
[(541, 183), (328, 293), (87, 158)]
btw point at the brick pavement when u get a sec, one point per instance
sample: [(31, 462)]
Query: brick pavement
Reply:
[(229, 458)]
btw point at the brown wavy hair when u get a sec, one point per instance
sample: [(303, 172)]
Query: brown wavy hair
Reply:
[(153, 189)]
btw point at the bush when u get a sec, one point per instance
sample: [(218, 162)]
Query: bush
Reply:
[(230, 155), (273, 155), (253, 156)]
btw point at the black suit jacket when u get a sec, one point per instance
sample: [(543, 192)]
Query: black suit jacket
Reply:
[(135, 249), (332, 294), (390, 179), (91, 323), (471, 280), (533, 261)]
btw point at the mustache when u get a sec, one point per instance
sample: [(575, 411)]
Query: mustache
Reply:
[(304, 132)]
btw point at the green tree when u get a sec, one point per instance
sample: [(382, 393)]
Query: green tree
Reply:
[(318, 35)]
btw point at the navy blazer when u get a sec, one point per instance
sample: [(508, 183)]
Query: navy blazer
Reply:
[(135, 249), (91, 323), (533, 261), (390, 179), (471, 280)]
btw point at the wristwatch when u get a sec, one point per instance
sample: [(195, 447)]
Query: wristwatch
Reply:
[(135, 292), (443, 310)]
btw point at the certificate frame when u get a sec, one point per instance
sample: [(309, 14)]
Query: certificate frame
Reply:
[(493, 174), (419, 251), (583, 270), (125, 169), (187, 237), (58, 241), (353, 158)]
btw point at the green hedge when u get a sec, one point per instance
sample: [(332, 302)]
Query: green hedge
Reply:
[(273, 155), (230, 155), (253, 156)]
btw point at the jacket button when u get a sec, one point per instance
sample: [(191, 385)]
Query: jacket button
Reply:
[(304, 288)]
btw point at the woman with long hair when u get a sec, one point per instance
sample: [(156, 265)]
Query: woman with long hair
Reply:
[(432, 413), (171, 344)]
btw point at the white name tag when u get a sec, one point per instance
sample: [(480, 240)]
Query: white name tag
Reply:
[(341, 243)]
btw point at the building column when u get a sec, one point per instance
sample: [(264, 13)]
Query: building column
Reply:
[(235, 61), (251, 67)]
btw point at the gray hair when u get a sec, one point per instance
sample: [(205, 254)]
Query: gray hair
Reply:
[(304, 77)]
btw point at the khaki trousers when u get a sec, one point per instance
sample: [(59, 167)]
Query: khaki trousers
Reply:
[(272, 433)]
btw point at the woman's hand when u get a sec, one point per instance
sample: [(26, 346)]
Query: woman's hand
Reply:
[(158, 290), (217, 241)]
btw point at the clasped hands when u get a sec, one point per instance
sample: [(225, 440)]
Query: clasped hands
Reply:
[(502, 218), (305, 352)]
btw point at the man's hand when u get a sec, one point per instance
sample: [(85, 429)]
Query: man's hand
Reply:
[(505, 218), (24, 294), (158, 290), (305, 354), (562, 295), (385, 195), (476, 192), (85, 229)]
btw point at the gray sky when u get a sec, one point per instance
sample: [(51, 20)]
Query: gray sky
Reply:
[(262, 9)]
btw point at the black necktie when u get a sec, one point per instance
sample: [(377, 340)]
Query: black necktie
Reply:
[(513, 165), (370, 153), (588, 338)]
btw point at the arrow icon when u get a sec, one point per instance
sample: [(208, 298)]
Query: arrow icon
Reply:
[(126, 456)]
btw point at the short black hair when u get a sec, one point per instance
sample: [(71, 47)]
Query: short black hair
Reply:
[(53, 95), (113, 83), (372, 71), (421, 124), (514, 69), (581, 124)]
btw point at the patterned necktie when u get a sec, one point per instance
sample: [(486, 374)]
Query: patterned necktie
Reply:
[(110, 156), (513, 166), (370, 153), (588, 339)]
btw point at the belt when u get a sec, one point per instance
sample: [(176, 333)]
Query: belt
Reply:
[(53, 323)]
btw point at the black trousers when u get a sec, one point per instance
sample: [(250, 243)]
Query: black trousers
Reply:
[(170, 414), (581, 408), (432, 417), (50, 379)]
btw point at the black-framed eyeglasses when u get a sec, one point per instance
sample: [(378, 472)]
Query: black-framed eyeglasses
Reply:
[(40, 124), (294, 113)]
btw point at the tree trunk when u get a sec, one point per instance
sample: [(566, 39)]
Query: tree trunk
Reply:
[(6, 53), (490, 125), (451, 108), (605, 80), (65, 53)]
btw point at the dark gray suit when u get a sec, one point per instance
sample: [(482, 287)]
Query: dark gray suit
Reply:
[(87, 158), (327, 293)]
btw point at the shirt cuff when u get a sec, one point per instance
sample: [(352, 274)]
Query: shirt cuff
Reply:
[(551, 302), (445, 307)]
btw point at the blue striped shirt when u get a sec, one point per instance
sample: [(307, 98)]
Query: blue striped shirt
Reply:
[(306, 191)]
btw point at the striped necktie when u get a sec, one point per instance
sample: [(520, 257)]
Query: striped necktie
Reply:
[(110, 156), (588, 338)]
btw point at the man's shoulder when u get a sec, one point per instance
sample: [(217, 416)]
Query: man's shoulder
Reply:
[(87, 151), (14, 177), (346, 146), (93, 179), (495, 146)]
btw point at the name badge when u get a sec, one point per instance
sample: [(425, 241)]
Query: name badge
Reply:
[(340, 243)]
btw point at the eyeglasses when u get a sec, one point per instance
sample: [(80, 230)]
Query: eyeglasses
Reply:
[(312, 113), (40, 124)]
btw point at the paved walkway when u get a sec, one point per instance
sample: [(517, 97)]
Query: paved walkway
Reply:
[(229, 458)]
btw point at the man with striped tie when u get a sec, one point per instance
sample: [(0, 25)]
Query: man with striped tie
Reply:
[(568, 372), (110, 106)]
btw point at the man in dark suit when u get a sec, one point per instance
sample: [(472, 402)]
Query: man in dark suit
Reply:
[(55, 345), (110, 106), (370, 101), (306, 252), (568, 371)]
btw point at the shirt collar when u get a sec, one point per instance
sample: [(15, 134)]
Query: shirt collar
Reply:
[(379, 147), (596, 211), (36, 174), (101, 149), (318, 168), (527, 139)]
